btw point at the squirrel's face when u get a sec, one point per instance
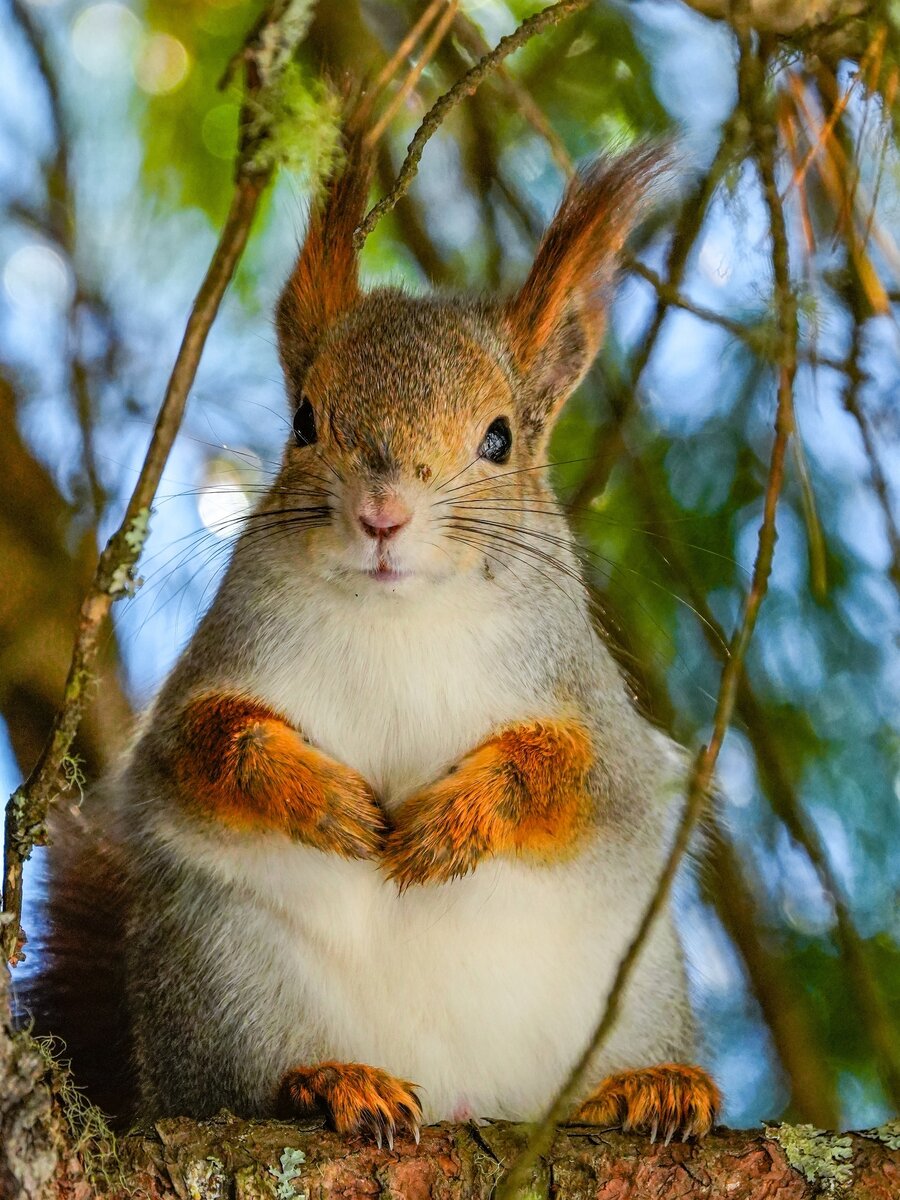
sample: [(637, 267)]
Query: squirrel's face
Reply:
[(406, 426), (420, 425)]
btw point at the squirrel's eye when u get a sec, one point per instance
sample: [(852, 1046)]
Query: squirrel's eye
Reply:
[(304, 424), (497, 441)]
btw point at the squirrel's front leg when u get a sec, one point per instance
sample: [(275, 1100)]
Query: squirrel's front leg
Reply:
[(521, 792), (237, 761)]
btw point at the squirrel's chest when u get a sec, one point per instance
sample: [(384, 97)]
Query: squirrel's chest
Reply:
[(399, 695)]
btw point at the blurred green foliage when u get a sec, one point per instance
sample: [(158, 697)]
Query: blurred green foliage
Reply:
[(668, 525)]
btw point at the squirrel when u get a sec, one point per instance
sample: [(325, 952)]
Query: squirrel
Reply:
[(382, 839)]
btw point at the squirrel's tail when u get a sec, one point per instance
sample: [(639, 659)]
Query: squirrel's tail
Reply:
[(75, 991)]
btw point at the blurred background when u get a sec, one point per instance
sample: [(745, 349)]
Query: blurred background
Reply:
[(116, 161)]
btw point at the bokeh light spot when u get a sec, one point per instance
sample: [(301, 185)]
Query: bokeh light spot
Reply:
[(219, 130), (222, 501), (37, 276), (162, 64), (104, 37)]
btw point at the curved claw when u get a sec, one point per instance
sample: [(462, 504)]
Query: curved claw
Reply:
[(358, 1099), (671, 1100)]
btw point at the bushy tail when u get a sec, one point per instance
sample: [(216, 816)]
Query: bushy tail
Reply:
[(75, 991)]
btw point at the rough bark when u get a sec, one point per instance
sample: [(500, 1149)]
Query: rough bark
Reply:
[(53, 1146), (181, 1159), (33, 1134), (249, 1160)]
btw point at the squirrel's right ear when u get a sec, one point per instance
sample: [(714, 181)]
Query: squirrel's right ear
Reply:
[(555, 322), (324, 283)]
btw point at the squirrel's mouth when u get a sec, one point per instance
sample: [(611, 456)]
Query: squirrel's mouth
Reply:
[(388, 575), (385, 573)]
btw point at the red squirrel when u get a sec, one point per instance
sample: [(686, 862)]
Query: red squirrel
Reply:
[(391, 822)]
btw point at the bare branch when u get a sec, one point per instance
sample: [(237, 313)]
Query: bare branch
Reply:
[(265, 55), (761, 342), (700, 779), (470, 37), (853, 404), (687, 230), (463, 87)]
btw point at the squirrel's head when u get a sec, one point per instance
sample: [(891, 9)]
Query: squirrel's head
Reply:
[(420, 425)]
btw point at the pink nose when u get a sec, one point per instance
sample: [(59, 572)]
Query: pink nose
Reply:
[(383, 519)]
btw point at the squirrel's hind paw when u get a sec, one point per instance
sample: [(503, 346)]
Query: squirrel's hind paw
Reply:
[(355, 1098), (671, 1100)]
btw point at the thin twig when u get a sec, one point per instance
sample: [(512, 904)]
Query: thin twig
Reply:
[(697, 792), (463, 87), (58, 223), (471, 38), (874, 50), (853, 405), (687, 230), (412, 78), (763, 343), (406, 46), (700, 779), (27, 808), (775, 776)]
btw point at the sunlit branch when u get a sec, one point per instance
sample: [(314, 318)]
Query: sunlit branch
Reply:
[(27, 808), (463, 87), (700, 779)]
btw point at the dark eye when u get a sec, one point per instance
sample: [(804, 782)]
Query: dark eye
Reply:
[(304, 424), (497, 441)]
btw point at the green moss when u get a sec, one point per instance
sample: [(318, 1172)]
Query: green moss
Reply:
[(888, 1134), (206, 1180), (122, 581), (291, 1162), (92, 1138), (821, 1158), (293, 123)]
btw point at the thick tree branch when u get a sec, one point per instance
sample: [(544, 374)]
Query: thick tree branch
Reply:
[(256, 1160)]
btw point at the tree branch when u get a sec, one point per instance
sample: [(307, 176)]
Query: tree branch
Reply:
[(255, 1160), (463, 87), (750, 90), (265, 54)]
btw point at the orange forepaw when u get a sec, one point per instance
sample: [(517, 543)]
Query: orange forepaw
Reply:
[(521, 792), (671, 1100), (355, 1099), (240, 762)]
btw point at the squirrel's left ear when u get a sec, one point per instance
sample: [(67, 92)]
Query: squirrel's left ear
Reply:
[(555, 322), (324, 284)]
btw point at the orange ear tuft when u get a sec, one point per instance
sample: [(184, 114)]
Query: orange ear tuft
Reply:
[(556, 320), (324, 283)]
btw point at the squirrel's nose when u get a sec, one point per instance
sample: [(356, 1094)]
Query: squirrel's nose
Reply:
[(383, 519)]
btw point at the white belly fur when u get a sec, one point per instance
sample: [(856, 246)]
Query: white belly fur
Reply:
[(482, 991), (399, 693)]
